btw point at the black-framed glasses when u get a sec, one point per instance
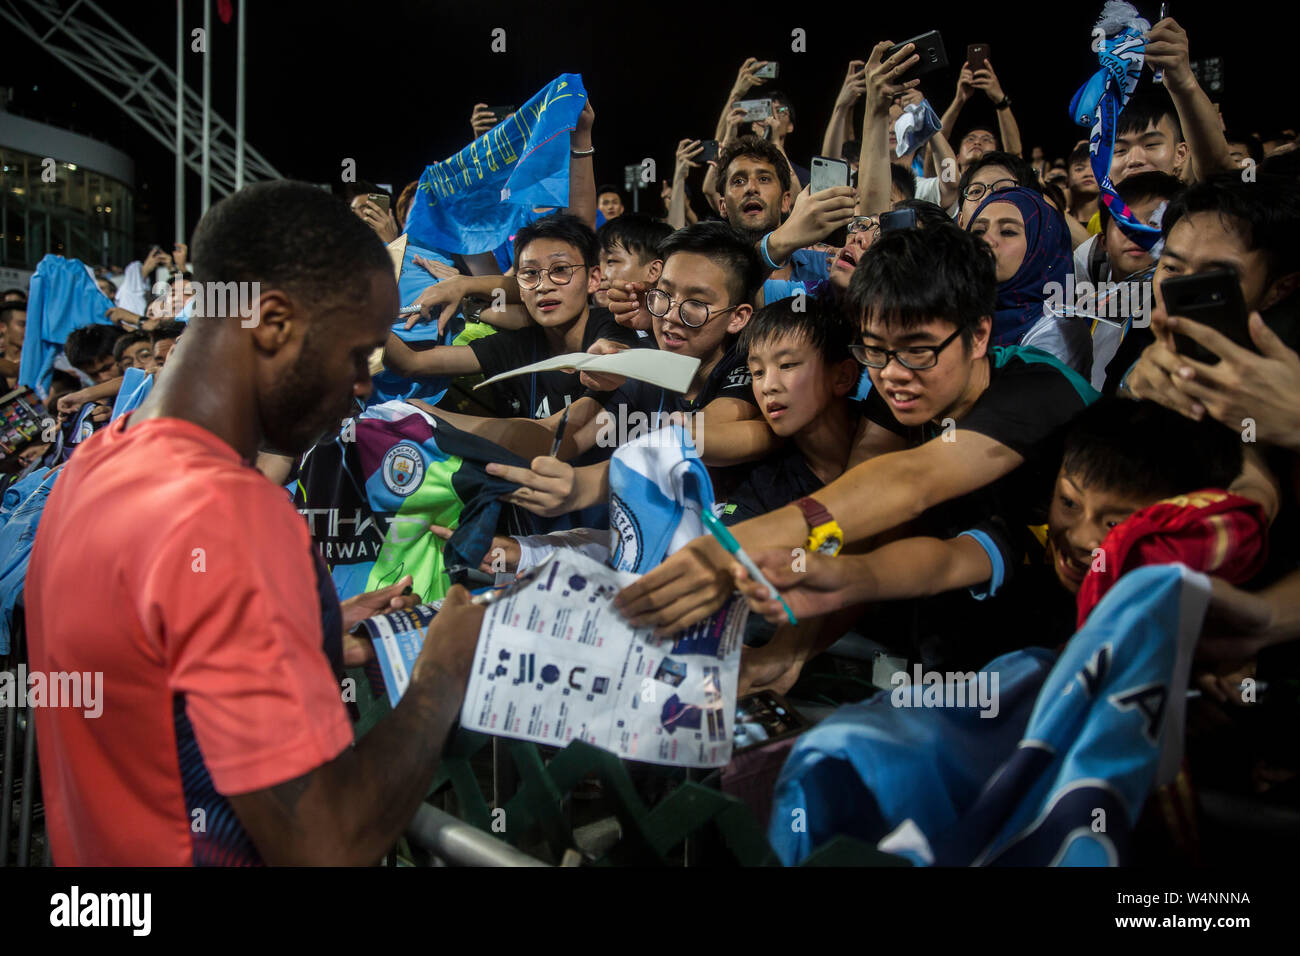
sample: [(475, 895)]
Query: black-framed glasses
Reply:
[(977, 191), (918, 358), (560, 275), (693, 312), (862, 224)]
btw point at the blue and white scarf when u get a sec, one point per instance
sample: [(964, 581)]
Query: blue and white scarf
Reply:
[(1120, 40)]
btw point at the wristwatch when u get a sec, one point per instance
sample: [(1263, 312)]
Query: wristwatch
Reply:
[(824, 535), (1005, 104)]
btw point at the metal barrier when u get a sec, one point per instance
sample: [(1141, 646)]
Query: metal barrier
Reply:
[(459, 844)]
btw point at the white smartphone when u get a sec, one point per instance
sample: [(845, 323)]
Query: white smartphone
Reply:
[(824, 173), (755, 110)]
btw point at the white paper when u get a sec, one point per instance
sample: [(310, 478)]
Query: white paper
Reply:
[(556, 663), (665, 369)]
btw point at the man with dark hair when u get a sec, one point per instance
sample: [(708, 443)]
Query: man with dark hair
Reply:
[(90, 349), (218, 633), (1246, 227), (609, 200), (968, 422), (1148, 137), (754, 179), (163, 338), (557, 270)]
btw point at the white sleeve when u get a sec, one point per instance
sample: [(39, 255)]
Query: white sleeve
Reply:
[(534, 548), (927, 188), (132, 294)]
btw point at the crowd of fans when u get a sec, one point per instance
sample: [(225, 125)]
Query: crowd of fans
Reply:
[(943, 384)]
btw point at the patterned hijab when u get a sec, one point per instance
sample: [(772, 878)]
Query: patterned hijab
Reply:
[(1048, 258)]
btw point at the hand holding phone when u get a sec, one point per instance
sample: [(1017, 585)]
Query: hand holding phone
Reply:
[(1213, 299)]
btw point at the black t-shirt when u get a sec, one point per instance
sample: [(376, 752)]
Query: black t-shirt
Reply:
[(543, 393), (776, 481), (1030, 398)]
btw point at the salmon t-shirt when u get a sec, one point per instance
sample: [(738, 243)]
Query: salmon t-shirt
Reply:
[(169, 565)]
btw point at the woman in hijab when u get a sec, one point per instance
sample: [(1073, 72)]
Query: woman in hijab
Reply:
[(1031, 243)]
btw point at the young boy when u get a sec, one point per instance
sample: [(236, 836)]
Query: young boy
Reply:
[(629, 253), (1119, 457), (133, 350), (556, 259), (163, 338), (803, 377)]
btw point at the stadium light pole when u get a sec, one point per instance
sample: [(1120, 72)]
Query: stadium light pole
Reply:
[(239, 101), (205, 193), (180, 120)]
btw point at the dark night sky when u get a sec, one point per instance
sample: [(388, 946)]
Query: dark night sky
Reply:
[(391, 84)]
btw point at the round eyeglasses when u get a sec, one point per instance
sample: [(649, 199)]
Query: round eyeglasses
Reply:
[(561, 274), (693, 312)]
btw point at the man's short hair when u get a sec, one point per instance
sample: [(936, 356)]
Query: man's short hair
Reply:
[(817, 321), (167, 329), (89, 344), (8, 309), (904, 179), (288, 235), (1020, 169), (637, 234), (562, 227), (1146, 109), (909, 277), (979, 127), (601, 190), (1264, 213), (124, 342), (1140, 187), (928, 214), (1080, 154), (723, 245), (1142, 449), (754, 148)]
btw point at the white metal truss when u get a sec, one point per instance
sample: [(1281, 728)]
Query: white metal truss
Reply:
[(108, 56)]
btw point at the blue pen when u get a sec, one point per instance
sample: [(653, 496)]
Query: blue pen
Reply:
[(733, 548)]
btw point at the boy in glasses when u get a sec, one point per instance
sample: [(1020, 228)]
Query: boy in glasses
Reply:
[(556, 259)]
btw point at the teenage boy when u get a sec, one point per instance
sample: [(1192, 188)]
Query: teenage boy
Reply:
[(133, 350), (1119, 457), (557, 271), (90, 349)]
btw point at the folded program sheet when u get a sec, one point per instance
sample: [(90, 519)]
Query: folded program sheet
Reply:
[(673, 372)]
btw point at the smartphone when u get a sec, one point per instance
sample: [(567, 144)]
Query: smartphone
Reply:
[(710, 147), (763, 718), (1211, 298), (977, 56), (501, 112), (929, 47), (823, 173), (379, 199), (898, 219), (768, 70), (755, 110)]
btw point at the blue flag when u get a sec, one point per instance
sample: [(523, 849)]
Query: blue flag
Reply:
[(62, 299), (470, 202), (1054, 771)]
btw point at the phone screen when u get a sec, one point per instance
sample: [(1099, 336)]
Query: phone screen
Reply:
[(825, 173)]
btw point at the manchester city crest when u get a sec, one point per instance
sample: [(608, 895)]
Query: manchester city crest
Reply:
[(403, 469)]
